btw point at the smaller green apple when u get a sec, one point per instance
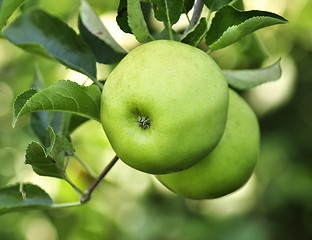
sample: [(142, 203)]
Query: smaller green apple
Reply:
[(229, 165)]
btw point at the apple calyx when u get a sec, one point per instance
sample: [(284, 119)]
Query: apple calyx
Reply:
[(144, 122)]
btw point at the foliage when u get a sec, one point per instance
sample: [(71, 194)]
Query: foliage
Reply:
[(52, 38), (57, 118)]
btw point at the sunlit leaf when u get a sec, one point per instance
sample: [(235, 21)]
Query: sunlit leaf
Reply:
[(168, 11), (196, 35), (249, 78), (230, 25), (64, 96), (23, 196), (104, 47), (52, 38), (20, 102), (7, 7), (136, 20)]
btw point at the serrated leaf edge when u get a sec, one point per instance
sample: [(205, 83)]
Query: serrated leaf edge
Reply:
[(274, 65), (43, 164), (20, 113), (278, 18)]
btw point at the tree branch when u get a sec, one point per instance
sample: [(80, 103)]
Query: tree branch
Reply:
[(87, 194), (198, 7)]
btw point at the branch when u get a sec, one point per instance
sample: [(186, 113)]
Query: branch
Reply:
[(198, 7), (87, 194)]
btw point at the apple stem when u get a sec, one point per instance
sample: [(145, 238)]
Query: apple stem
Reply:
[(87, 194), (198, 7), (144, 122)]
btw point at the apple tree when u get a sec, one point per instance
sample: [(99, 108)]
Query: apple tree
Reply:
[(157, 79)]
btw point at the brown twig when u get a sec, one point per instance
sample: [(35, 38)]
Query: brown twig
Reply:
[(87, 194), (198, 7)]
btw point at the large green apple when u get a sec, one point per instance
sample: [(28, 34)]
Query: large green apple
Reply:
[(164, 106), (229, 165)]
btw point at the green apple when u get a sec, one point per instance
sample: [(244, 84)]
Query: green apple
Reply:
[(164, 106), (229, 165)]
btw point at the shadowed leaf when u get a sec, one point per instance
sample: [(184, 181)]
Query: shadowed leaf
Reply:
[(52, 38), (104, 47), (23, 196), (249, 78)]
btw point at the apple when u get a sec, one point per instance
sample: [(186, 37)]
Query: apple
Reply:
[(164, 106), (229, 165)]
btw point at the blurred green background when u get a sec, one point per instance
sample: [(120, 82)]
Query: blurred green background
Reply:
[(275, 204)]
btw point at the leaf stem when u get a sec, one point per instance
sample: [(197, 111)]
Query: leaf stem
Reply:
[(232, 2), (198, 7), (65, 205), (169, 22), (89, 170), (87, 194), (151, 37), (77, 189), (209, 51), (97, 82), (188, 19)]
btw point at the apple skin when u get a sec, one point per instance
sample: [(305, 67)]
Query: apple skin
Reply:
[(229, 166), (164, 106)]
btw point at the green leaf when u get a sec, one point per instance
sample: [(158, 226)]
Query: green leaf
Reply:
[(188, 5), (38, 82), (23, 196), (164, 34), (136, 20), (52, 38), (39, 123), (60, 147), (249, 78), (49, 161), (196, 35), (76, 121), (42, 164), (122, 17), (238, 4), (104, 47), (62, 124), (230, 25), (20, 102), (168, 11), (7, 8), (215, 5), (63, 96), (252, 47)]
